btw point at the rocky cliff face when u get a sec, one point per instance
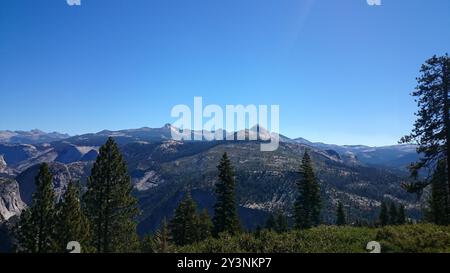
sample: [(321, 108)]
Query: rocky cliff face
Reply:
[(2, 164), (62, 175), (10, 202)]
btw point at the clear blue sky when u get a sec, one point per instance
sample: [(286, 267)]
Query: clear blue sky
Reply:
[(340, 70)]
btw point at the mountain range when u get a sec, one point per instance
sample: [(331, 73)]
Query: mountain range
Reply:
[(30, 137), (163, 170)]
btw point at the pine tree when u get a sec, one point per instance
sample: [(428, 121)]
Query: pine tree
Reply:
[(36, 226), (159, 241), (161, 238), (148, 244), (271, 223), (308, 203), (340, 215), (110, 206), (204, 225), (439, 200), (282, 223), (184, 225), (258, 231), (225, 214), (393, 214), (384, 215), (72, 224), (401, 215), (432, 128), (277, 222)]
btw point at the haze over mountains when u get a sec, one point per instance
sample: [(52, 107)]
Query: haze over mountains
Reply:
[(163, 169), (30, 137), (396, 156)]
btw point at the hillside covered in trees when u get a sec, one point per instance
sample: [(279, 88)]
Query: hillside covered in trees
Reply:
[(102, 214)]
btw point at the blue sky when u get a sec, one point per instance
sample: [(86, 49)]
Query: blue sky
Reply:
[(340, 70)]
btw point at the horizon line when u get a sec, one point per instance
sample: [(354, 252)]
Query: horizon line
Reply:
[(166, 124)]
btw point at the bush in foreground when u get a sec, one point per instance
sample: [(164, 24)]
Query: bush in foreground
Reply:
[(330, 239)]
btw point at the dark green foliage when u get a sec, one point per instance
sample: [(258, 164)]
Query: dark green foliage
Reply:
[(110, 206), (308, 203), (330, 239), (148, 244), (204, 225), (401, 215), (271, 223), (8, 242), (439, 199), (36, 233), (161, 238), (340, 215), (260, 177), (184, 225), (393, 214), (225, 214), (432, 128), (282, 223), (72, 224), (258, 231), (420, 238), (159, 242), (363, 223), (322, 239), (277, 222), (383, 217)]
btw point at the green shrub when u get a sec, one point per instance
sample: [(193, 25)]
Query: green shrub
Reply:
[(330, 239), (422, 238)]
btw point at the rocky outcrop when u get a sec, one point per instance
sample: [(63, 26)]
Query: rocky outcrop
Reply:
[(10, 202), (62, 175), (149, 180), (2, 164)]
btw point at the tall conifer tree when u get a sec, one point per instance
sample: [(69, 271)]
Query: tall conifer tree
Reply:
[(72, 224), (225, 213), (184, 225), (36, 233), (393, 214), (340, 215), (282, 223), (204, 225), (162, 237), (383, 217), (110, 207), (432, 128), (308, 204), (401, 215), (271, 223)]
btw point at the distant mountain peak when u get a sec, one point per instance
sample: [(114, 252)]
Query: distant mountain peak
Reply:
[(37, 132), (34, 136)]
